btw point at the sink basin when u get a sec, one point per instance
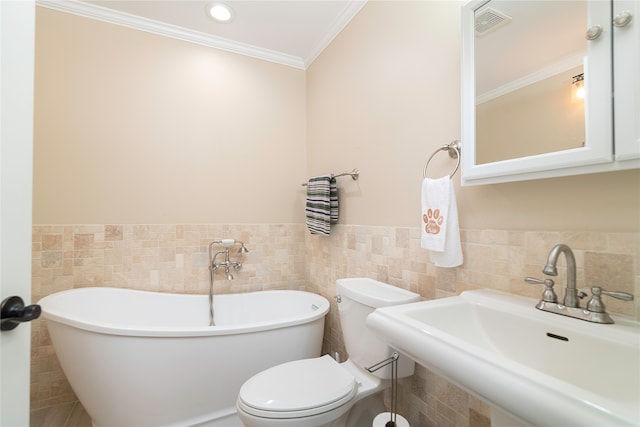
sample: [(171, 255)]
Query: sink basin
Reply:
[(541, 368)]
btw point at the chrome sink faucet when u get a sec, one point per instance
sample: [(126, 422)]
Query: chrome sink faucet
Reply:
[(595, 309), (571, 292)]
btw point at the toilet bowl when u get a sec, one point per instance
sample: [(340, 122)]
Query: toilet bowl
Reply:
[(305, 393), (321, 392)]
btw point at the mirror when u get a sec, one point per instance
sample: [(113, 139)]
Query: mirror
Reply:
[(527, 56), (536, 94)]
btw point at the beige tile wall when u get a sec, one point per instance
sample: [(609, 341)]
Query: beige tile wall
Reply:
[(493, 259), (164, 258), (172, 258)]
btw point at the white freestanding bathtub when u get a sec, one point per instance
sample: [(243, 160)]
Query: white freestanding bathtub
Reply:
[(138, 358)]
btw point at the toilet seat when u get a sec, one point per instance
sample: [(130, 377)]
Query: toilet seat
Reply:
[(296, 389)]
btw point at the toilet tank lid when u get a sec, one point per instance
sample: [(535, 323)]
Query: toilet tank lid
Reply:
[(374, 293)]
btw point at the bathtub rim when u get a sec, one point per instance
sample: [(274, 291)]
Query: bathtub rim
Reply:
[(191, 331)]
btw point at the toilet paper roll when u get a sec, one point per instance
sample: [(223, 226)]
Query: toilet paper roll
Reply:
[(382, 419)]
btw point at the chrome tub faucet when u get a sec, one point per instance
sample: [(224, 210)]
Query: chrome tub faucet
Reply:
[(227, 263)]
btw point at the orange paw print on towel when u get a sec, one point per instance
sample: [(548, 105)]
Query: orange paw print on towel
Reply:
[(433, 221)]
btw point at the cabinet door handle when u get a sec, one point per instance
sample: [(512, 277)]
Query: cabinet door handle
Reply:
[(593, 32), (622, 19)]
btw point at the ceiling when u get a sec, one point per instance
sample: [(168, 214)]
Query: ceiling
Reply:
[(291, 32), (295, 32)]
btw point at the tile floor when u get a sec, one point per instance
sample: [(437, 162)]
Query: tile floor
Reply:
[(65, 415)]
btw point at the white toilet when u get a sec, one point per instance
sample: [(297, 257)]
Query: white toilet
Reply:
[(320, 391)]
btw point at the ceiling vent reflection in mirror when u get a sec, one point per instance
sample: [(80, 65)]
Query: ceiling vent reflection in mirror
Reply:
[(488, 20)]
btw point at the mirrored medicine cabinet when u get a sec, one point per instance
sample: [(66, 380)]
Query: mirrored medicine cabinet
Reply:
[(549, 88)]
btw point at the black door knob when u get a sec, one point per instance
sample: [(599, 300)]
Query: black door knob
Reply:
[(13, 312)]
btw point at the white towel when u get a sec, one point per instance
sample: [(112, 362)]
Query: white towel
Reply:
[(440, 229)]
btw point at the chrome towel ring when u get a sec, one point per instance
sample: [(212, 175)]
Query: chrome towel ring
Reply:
[(454, 152)]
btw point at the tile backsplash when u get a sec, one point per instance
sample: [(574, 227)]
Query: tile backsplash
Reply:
[(163, 258), (173, 258), (494, 259)]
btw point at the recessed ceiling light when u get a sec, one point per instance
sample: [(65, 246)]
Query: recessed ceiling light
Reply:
[(220, 12)]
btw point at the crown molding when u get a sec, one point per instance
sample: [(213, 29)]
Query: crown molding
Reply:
[(99, 13), (350, 11), (546, 72)]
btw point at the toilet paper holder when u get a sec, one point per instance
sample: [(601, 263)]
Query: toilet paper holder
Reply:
[(393, 360)]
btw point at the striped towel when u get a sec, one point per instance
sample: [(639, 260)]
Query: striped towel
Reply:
[(322, 204), (333, 196)]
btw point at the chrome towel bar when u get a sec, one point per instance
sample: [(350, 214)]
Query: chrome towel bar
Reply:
[(354, 174)]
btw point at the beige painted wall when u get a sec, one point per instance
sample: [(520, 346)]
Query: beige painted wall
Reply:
[(541, 117), (137, 128), (381, 97), (386, 94), (133, 127)]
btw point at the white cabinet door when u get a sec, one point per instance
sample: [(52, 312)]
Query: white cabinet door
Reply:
[(595, 156), (626, 69)]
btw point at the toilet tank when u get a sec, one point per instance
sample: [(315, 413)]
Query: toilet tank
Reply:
[(359, 297)]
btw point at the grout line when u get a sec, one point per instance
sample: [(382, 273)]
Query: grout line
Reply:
[(66, 422)]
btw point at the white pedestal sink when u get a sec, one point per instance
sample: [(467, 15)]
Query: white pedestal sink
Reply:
[(541, 368)]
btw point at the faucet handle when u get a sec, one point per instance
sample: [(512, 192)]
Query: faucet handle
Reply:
[(596, 305), (618, 294), (549, 295)]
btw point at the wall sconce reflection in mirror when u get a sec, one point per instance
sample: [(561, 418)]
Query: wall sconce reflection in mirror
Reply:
[(577, 87)]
